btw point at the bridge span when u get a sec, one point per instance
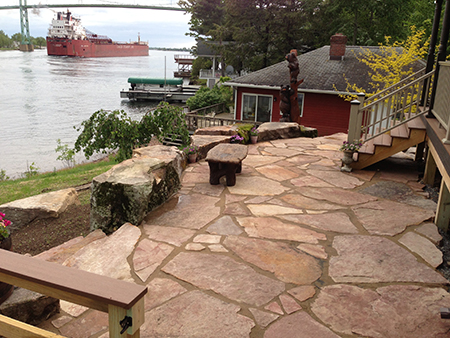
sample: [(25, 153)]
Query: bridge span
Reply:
[(23, 7)]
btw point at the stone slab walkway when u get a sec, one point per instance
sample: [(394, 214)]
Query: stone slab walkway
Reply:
[(295, 249)]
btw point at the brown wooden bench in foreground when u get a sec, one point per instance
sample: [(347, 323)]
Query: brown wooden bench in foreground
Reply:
[(225, 159), (123, 301)]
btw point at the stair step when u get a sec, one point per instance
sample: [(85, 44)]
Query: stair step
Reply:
[(401, 131), (416, 124), (367, 148), (383, 140)]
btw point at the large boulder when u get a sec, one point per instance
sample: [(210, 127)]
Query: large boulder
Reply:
[(282, 130), (131, 189), (52, 204)]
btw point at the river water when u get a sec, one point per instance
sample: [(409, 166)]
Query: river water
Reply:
[(43, 97)]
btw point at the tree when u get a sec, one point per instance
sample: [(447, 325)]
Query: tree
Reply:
[(5, 41), (113, 130), (394, 63), (205, 97), (39, 41)]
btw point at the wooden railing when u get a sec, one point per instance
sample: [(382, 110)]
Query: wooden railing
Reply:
[(441, 109), (392, 107), (207, 117), (123, 301)]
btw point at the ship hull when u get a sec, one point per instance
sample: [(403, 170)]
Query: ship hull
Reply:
[(86, 48)]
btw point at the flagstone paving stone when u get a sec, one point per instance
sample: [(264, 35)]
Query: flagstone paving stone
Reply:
[(171, 235), (148, 256), (336, 178), (422, 247), (430, 230), (371, 259), (161, 290), (287, 264), (391, 311), (185, 213), (277, 173), (196, 314), (298, 324), (224, 226), (335, 195), (219, 273), (258, 186), (371, 213), (271, 228), (335, 222), (224, 261), (263, 318)]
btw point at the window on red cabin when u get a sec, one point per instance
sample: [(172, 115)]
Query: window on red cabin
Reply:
[(257, 107)]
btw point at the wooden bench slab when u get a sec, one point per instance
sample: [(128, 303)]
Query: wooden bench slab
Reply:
[(225, 159)]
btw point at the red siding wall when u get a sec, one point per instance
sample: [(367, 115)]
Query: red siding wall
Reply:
[(275, 102), (329, 114)]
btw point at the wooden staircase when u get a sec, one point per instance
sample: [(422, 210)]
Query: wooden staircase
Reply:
[(391, 142)]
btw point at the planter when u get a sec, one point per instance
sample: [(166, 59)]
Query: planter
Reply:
[(5, 289), (347, 160), (192, 158), (254, 139)]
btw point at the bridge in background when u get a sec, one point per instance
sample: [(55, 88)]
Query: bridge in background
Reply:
[(23, 7)]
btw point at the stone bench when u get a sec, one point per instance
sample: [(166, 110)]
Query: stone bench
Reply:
[(225, 160)]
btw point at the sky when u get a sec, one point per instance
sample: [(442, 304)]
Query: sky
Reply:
[(160, 28)]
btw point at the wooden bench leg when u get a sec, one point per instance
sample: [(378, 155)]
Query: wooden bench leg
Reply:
[(231, 174), (214, 173), (239, 168)]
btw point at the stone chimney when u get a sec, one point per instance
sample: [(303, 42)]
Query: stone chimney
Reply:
[(337, 46)]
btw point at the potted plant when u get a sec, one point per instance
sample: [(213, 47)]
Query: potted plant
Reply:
[(191, 152), (254, 135), (5, 243), (236, 139), (349, 148)]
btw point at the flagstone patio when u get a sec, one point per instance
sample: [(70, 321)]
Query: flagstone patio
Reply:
[(295, 249)]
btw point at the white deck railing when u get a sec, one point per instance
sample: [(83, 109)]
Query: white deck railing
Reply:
[(393, 106)]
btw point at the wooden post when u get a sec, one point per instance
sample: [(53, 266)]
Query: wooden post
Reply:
[(116, 314), (443, 209), (430, 169)]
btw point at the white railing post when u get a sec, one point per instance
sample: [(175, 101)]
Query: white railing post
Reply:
[(354, 124)]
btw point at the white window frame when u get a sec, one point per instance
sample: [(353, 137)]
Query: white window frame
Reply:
[(303, 103), (256, 108)]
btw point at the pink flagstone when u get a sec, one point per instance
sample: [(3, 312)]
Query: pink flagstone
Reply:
[(310, 181), (278, 151), (335, 195), (277, 173), (303, 202), (303, 292), (148, 256), (263, 318), (303, 159), (395, 311), (182, 212), (259, 160), (208, 239), (208, 189), (161, 290), (337, 178), (272, 210), (298, 324), (224, 226), (236, 209), (284, 261), (289, 304), (430, 231), (196, 314), (274, 307), (86, 326), (423, 247), (259, 186), (171, 235), (314, 250), (272, 228), (335, 222), (225, 276), (371, 259), (389, 217)]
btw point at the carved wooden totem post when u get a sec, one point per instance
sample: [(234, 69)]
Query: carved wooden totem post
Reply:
[(289, 101)]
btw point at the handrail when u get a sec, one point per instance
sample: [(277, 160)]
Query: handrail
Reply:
[(371, 118), (118, 298)]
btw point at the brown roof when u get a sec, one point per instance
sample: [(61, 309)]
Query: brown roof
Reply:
[(318, 71)]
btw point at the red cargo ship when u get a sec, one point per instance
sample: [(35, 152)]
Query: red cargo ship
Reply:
[(67, 37)]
